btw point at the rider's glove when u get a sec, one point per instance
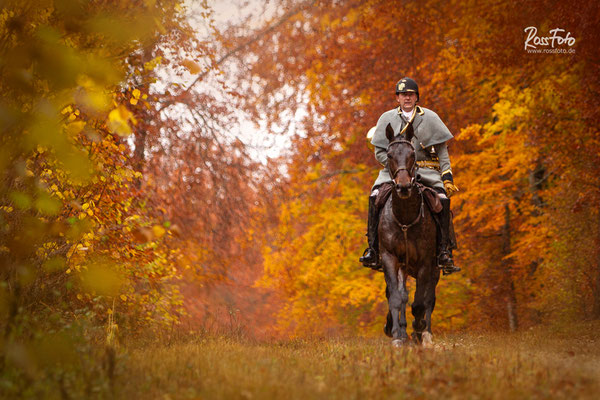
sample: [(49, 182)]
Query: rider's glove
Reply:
[(449, 185)]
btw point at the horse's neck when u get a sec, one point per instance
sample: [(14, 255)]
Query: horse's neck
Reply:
[(406, 210)]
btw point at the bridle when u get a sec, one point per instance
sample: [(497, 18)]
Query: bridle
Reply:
[(421, 214), (411, 171)]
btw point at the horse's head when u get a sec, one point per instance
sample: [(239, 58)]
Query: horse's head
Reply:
[(401, 160)]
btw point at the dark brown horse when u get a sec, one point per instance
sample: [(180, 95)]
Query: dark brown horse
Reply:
[(407, 242)]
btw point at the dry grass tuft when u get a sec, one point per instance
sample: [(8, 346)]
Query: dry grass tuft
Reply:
[(533, 364)]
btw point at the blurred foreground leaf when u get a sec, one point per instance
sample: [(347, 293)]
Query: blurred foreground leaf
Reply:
[(102, 278)]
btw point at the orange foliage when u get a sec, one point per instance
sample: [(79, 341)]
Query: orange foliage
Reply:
[(525, 154)]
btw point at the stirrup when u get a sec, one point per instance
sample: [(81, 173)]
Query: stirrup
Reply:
[(373, 265), (448, 268)]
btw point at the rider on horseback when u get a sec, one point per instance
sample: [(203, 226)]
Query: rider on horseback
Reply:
[(433, 161)]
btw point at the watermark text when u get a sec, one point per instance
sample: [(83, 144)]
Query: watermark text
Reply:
[(548, 44)]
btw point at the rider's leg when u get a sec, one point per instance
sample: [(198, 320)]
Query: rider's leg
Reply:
[(370, 256), (445, 251)]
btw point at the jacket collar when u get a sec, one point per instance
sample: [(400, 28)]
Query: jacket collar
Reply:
[(418, 117)]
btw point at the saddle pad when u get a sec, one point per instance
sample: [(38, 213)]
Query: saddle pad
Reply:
[(385, 189), (431, 197)]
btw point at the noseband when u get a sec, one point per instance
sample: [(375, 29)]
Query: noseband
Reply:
[(411, 172)]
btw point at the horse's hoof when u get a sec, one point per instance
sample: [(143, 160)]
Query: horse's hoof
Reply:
[(416, 338), (398, 342), (427, 340)]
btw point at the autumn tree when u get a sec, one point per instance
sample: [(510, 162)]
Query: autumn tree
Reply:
[(85, 254), (335, 63)]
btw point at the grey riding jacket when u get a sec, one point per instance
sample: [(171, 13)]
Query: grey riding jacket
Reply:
[(429, 141)]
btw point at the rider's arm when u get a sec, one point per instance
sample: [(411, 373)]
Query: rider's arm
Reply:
[(442, 152), (381, 155), (445, 169)]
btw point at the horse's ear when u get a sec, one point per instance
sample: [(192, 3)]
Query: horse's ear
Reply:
[(410, 132), (389, 132)]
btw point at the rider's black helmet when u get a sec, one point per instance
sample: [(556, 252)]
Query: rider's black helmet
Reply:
[(407, 85)]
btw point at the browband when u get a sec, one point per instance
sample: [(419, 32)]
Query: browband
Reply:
[(396, 141)]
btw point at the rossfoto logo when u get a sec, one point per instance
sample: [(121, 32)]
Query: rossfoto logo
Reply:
[(559, 41)]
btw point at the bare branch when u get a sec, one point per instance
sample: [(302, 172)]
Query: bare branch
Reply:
[(282, 20)]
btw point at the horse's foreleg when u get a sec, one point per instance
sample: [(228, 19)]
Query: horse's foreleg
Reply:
[(429, 303), (387, 329), (418, 310), (398, 296), (422, 309), (403, 300), (429, 306), (430, 297)]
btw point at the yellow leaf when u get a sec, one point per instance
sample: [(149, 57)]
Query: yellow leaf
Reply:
[(133, 101), (74, 128), (158, 231), (191, 66), (118, 121), (101, 277), (150, 65), (136, 93), (123, 297)]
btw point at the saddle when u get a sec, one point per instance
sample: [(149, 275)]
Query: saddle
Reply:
[(431, 197)]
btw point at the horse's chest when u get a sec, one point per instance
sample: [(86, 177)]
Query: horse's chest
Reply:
[(412, 247)]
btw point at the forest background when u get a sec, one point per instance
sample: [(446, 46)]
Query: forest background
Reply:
[(133, 207)]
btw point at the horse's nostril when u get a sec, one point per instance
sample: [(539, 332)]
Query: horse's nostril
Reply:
[(402, 188)]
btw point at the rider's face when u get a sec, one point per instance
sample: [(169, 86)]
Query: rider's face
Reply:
[(407, 101)]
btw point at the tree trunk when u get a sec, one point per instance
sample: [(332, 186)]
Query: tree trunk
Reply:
[(596, 308), (511, 299), (140, 148), (141, 128)]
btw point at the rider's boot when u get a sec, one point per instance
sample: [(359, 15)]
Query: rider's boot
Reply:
[(370, 257), (445, 261)]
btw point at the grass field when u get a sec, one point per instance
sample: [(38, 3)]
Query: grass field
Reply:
[(536, 364), (533, 364)]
